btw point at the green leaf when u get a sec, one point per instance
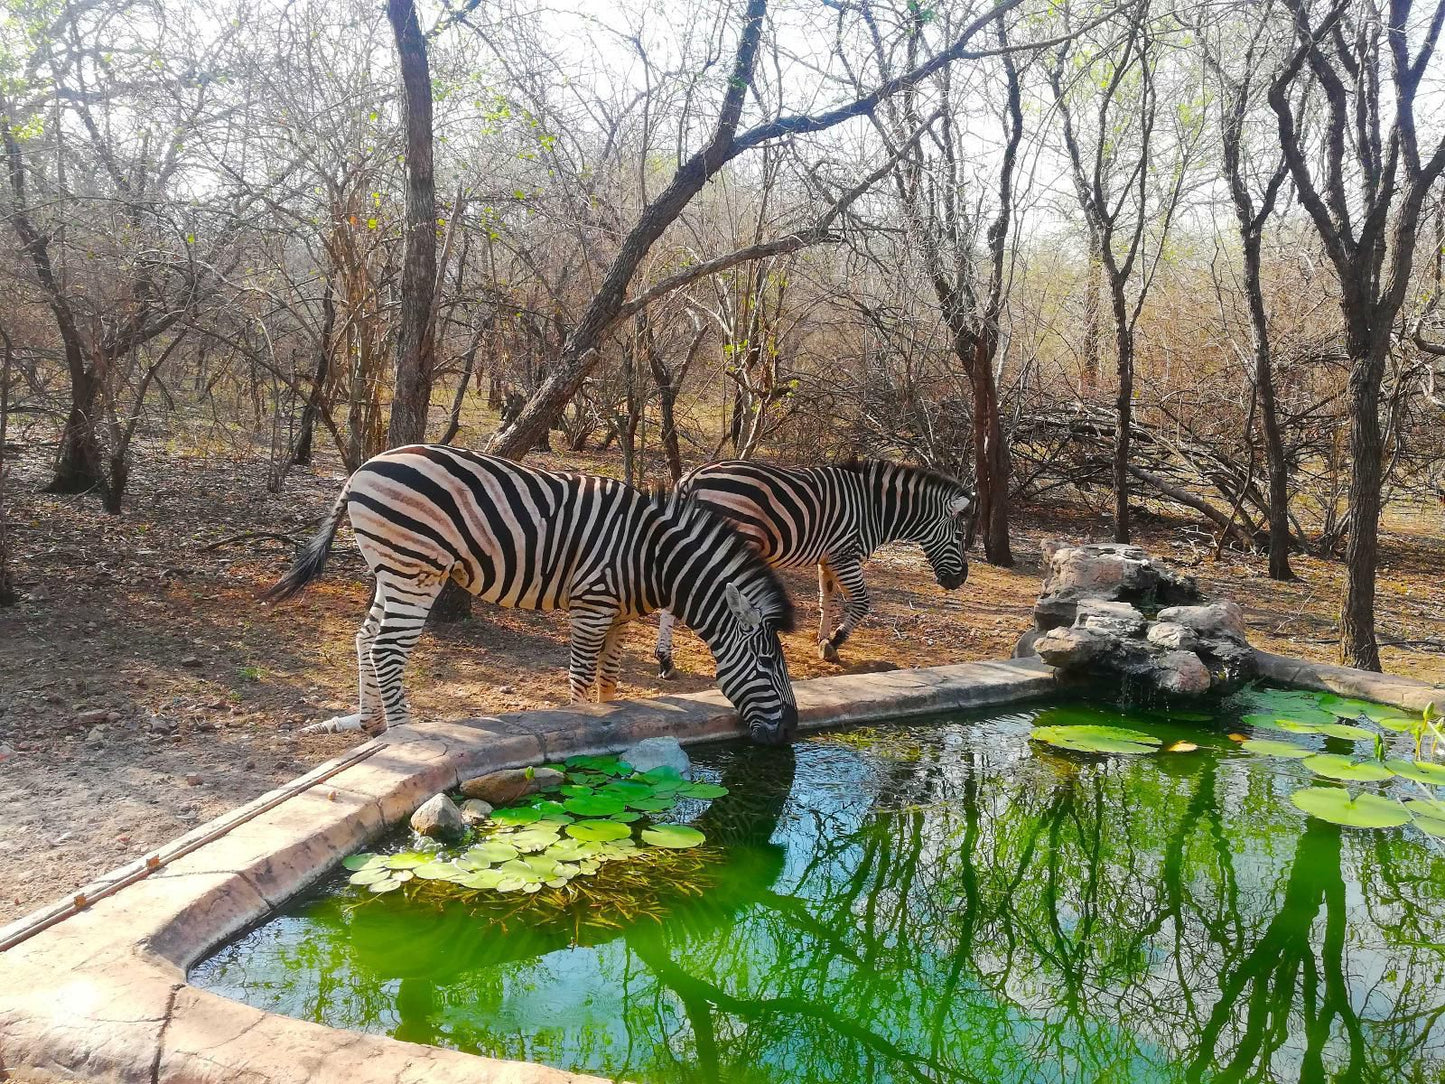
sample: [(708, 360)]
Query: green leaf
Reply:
[(408, 860), (1350, 708), (1419, 770), (1333, 766), (1431, 826), (676, 837), (435, 871), (364, 861), (652, 805), (490, 853), (664, 774), (386, 884), (519, 814), (1335, 805), (1268, 748), (1097, 739), (701, 790), (594, 805), (370, 876), (1291, 726), (627, 790), (598, 831), (1426, 807), (1348, 731), (576, 790)]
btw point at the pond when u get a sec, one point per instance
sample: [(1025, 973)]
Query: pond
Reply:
[(936, 901)]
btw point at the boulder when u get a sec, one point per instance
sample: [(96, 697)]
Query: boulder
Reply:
[(510, 784), (475, 811), (658, 753), (1173, 636), (1181, 673), (1110, 618), (1213, 621), (1107, 571), (439, 818), (1070, 649)]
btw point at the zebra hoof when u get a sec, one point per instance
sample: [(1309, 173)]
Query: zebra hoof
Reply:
[(342, 724), (827, 652), (665, 669)]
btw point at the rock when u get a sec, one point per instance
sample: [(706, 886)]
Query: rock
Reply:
[(1173, 636), (191, 660), (438, 818), (504, 787), (658, 753), (6, 752), (1111, 618), (193, 780), (96, 736), (505, 690), (1107, 571), (475, 811), (1182, 674), (1216, 620), (92, 718), (1071, 649)]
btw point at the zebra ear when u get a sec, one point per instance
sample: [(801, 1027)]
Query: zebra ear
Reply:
[(748, 615), (957, 505)]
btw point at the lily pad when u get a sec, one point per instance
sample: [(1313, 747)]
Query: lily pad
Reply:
[(1348, 731), (663, 775), (386, 884), (1350, 708), (370, 876), (517, 814), (536, 838), (1335, 805), (605, 765), (628, 790), (1289, 726), (625, 817), (408, 860), (1097, 739), (702, 790), (652, 805), (1426, 807), (675, 837), (1333, 766), (1268, 748), (1400, 724), (364, 861), (598, 831), (490, 853), (1431, 826), (435, 871), (595, 805), (577, 790), (1422, 771)]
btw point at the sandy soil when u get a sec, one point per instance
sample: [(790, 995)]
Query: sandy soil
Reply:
[(145, 691)]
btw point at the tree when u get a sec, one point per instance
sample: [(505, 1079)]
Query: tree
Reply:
[(1237, 86), (1363, 189)]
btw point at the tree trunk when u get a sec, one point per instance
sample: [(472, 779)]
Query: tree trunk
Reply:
[(990, 456), (414, 347), (1279, 532), (302, 455), (1358, 646), (8, 595), (1089, 378), (1123, 410), (79, 466)]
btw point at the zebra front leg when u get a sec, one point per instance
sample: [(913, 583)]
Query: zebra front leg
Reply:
[(848, 575), (590, 629), (827, 599), (665, 622), (370, 717), (406, 604), (610, 665)]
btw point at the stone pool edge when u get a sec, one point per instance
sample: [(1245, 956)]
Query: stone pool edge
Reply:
[(101, 994)]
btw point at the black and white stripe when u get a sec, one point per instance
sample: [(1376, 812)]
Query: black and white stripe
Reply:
[(834, 517), (544, 540)]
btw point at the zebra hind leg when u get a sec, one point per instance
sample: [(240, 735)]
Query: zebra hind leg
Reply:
[(370, 717), (849, 578), (665, 622), (406, 604), (827, 612)]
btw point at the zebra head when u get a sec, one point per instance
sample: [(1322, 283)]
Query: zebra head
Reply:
[(751, 670), (943, 528)]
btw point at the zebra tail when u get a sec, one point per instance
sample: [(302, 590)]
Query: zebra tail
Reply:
[(309, 563)]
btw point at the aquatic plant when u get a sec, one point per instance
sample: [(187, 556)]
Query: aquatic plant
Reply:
[(540, 842)]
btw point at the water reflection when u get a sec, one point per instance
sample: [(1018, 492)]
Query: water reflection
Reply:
[(945, 908)]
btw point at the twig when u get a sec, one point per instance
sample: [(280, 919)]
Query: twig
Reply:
[(246, 536)]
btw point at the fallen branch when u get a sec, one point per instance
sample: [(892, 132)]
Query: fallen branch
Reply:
[(249, 536)]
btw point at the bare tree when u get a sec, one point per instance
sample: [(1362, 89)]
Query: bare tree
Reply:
[(1364, 190)]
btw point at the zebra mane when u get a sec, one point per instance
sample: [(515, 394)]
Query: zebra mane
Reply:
[(928, 474), (722, 537)]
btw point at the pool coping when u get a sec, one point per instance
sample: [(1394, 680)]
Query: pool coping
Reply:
[(98, 990)]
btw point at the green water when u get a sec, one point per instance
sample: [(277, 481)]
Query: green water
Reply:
[(933, 902)]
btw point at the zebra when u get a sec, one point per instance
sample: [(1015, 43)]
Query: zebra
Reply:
[(543, 540), (833, 517)]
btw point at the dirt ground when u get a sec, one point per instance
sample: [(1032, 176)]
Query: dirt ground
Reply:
[(145, 691)]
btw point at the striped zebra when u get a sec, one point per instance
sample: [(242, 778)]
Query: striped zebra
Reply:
[(543, 540), (833, 517)]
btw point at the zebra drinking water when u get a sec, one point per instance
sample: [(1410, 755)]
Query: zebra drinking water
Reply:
[(834, 517), (543, 540)]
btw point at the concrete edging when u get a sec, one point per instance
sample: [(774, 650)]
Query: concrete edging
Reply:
[(101, 993)]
